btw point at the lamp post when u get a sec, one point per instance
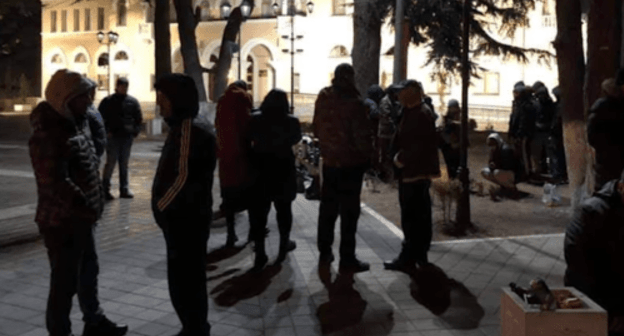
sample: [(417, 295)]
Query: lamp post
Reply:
[(112, 39), (245, 11), (292, 37)]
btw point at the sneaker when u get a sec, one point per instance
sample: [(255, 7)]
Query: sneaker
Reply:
[(105, 328), (290, 246), (355, 266), (126, 194), (259, 262), (399, 264)]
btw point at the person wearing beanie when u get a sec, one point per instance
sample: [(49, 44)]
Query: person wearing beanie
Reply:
[(231, 121), (558, 169), (122, 118), (604, 131), (594, 250), (543, 121), (522, 126), (389, 110), (182, 199), (70, 201), (96, 125), (344, 131)]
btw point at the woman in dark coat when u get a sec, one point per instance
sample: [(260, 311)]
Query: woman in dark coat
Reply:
[(272, 133)]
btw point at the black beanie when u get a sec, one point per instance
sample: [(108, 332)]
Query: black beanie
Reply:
[(181, 91)]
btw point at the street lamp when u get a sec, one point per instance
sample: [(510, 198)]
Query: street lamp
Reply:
[(112, 39), (292, 37), (245, 11)]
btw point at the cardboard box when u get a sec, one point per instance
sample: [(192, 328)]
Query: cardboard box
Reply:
[(521, 319)]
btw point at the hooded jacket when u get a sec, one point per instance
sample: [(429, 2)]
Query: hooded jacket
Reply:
[(231, 122), (502, 157), (63, 158), (594, 251), (122, 114), (604, 133), (343, 128), (182, 187), (523, 115)]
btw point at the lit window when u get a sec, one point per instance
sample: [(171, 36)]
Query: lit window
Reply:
[(80, 58), (100, 18), (340, 7), (204, 8), (267, 10), (53, 21), (76, 20), (121, 13), (296, 81), (103, 59), (339, 51), (57, 59), (121, 56), (63, 20), (102, 82), (489, 84), (87, 19)]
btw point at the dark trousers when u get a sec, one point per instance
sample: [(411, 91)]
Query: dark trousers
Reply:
[(340, 195), (74, 270), (416, 219), (235, 199), (557, 157), (186, 238), (451, 157), (118, 151), (259, 213)]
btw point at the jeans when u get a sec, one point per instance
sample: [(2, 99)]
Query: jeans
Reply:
[(74, 270), (186, 237), (416, 219), (340, 195), (118, 151)]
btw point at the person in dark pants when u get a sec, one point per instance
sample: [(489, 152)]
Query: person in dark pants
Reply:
[(594, 248), (182, 199), (449, 142), (122, 118), (272, 134), (522, 127), (70, 201), (558, 167), (345, 134), (417, 161)]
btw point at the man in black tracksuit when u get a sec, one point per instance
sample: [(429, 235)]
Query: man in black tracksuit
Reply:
[(182, 199)]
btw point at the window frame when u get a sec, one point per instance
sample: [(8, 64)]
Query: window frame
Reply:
[(87, 19), (53, 21), (76, 20), (64, 21), (122, 13), (101, 19)]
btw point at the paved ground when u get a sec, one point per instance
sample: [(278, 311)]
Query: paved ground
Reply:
[(460, 297)]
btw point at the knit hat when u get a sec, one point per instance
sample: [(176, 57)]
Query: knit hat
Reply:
[(538, 85), (519, 86), (63, 87), (181, 91), (452, 103)]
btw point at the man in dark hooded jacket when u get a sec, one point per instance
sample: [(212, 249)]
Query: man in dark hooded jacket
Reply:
[(345, 134), (70, 201), (182, 199), (546, 109), (502, 164), (605, 126), (594, 250), (522, 125)]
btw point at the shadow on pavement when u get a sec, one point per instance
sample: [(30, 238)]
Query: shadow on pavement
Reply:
[(244, 286), (222, 253), (345, 307), (446, 298)]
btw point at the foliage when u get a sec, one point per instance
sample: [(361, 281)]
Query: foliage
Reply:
[(437, 24), (17, 20)]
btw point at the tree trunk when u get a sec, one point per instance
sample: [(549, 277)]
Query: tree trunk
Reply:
[(186, 28), (603, 46), (366, 44), (228, 45), (162, 37), (571, 66)]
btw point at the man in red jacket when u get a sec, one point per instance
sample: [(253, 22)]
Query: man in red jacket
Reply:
[(417, 161)]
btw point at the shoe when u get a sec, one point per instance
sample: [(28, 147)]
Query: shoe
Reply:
[(326, 258), (126, 194), (355, 266), (259, 263), (289, 246), (108, 196), (105, 328), (401, 265)]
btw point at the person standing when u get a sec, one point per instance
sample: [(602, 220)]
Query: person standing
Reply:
[(522, 126), (96, 125), (232, 121), (272, 134), (604, 131), (417, 161), (182, 199), (122, 118), (543, 122), (389, 109), (449, 142), (344, 131), (558, 166), (70, 201)]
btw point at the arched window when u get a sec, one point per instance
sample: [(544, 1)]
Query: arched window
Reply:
[(250, 71), (267, 10), (121, 56), (122, 13), (57, 59), (204, 7), (339, 51), (80, 58), (103, 59)]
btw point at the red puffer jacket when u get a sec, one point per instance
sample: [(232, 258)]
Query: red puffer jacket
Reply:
[(66, 169)]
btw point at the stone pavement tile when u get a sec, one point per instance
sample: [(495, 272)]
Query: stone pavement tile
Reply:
[(36, 332), (284, 331), (490, 330), (419, 313), (171, 319), (244, 321), (151, 315), (308, 330), (277, 321), (16, 313), (133, 323), (436, 333), (139, 300), (11, 327), (404, 333), (37, 320), (153, 328), (24, 301), (308, 320), (220, 329), (247, 332)]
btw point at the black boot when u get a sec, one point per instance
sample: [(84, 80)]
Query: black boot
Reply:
[(105, 328), (261, 258), (231, 234), (107, 194), (285, 247)]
